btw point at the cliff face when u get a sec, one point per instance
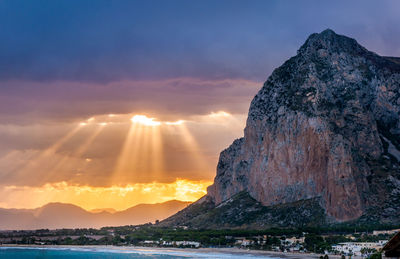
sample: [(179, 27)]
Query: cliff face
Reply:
[(324, 125)]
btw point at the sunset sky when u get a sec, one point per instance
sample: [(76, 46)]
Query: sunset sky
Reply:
[(107, 104)]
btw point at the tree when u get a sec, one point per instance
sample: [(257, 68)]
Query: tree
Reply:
[(376, 256), (315, 243)]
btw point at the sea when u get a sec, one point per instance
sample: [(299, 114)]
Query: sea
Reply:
[(104, 253)]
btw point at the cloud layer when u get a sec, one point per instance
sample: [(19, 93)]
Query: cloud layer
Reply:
[(64, 62)]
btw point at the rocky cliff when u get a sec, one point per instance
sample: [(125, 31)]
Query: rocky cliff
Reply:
[(324, 127)]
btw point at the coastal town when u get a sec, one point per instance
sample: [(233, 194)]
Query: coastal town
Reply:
[(359, 244)]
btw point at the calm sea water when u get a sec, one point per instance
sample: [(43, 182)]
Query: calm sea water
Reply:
[(98, 253)]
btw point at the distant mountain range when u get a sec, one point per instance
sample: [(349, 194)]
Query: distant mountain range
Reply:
[(61, 215)]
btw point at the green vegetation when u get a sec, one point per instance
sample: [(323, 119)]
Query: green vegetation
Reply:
[(242, 211), (317, 244), (316, 240)]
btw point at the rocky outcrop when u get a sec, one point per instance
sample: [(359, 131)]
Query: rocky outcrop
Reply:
[(324, 126)]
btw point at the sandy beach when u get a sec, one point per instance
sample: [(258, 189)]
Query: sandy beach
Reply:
[(233, 251)]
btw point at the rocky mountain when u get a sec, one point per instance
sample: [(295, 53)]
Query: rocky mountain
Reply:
[(61, 215), (322, 134)]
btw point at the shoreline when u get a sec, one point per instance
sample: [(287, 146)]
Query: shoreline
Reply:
[(231, 250)]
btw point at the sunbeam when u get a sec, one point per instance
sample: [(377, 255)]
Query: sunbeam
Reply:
[(199, 162), (142, 151), (36, 163), (157, 154), (128, 161), (66, 161), (124, 154)]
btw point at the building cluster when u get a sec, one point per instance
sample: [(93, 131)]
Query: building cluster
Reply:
[(358, 248), (163, 243), (288, 244)]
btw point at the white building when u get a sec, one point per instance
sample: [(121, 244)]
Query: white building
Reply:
[(356, 247), (187, 243), (389, 232), (244, 242), (148, 242), (293, 240), (167, 243)]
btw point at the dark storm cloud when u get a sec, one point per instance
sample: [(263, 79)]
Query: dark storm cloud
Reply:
[(61, 58), (105, 40), (113, 40)]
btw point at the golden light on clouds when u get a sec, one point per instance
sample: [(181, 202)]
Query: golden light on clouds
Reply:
[(178, 122), (219, 114), (117, 197), (132, 155)]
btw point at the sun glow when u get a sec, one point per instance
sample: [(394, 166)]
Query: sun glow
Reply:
[(144, 120), (143, 149)]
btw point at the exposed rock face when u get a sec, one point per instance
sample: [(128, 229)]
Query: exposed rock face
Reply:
[(324, 125)]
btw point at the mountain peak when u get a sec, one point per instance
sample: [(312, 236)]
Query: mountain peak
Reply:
[(328, 32), (325, 34), (331, 42)]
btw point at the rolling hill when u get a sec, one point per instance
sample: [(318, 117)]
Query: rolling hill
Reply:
[(61, 215)]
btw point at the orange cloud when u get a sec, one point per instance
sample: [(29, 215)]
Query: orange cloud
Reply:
[(117, 197)]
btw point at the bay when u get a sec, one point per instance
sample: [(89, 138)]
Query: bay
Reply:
[(101, 252)]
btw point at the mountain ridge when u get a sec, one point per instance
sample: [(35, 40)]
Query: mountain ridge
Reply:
[(325, 125), (65, 215)]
